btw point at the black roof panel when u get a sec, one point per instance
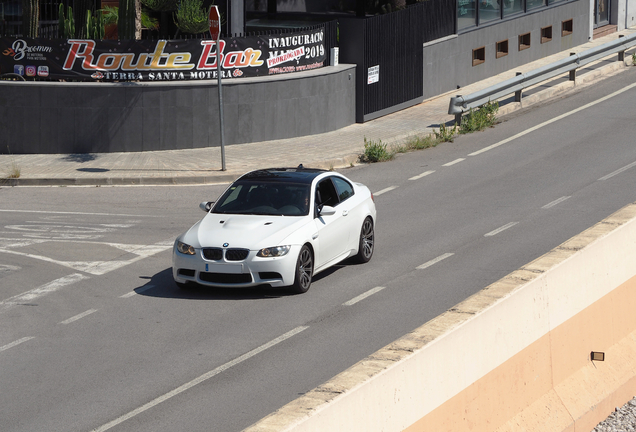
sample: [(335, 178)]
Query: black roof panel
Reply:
[(292, 175)]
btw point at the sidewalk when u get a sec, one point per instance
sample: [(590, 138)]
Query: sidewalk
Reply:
[(336, 149)]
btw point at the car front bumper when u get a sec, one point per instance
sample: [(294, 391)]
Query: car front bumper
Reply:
[(252, 271)]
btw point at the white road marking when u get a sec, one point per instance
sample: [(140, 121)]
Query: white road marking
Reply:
[(199, 380), (618, 171), (42, 290), (434, 261), (390, 188), (498, 230), (79, 316), (456, 161), (363, 296), (424, 174), (555, 202), (562, 116), (137, 291), (18, 342), (99, 268), (77, 213)]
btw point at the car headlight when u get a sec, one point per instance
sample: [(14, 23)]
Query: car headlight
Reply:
[(185, 248), (277, 251)]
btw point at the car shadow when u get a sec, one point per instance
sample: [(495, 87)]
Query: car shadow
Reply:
[(162, 285)]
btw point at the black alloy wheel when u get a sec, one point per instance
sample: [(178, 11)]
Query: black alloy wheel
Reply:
[(367, 241), (304, 270)]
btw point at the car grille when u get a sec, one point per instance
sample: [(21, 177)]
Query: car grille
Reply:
[(236, 254), (213, 254), (226, 278), (216, 254)]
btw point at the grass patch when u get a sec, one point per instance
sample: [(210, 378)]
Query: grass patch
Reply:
[(478, 120), (475, 120), (445, 134), (375, 151)]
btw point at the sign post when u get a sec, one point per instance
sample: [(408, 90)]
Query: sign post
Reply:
[(214, 18)]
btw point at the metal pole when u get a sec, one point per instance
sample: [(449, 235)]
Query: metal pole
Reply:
[(218, 72)]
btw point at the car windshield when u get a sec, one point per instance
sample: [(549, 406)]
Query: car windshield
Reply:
[(260, 198)]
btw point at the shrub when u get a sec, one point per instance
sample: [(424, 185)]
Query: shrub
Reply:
[(375, 152), (480, 119)]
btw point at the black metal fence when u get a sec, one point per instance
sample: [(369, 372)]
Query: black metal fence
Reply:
[(388, 52)]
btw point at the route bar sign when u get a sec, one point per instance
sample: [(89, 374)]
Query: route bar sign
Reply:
[(215, 22)]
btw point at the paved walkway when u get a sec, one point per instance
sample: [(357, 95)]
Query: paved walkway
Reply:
[(336, 149)]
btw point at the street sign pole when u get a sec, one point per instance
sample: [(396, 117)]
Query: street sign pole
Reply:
[(215, 32)]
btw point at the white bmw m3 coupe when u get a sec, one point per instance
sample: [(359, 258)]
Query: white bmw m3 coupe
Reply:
[(277, 227)]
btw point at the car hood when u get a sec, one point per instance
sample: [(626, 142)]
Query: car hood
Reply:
[(242, 231)]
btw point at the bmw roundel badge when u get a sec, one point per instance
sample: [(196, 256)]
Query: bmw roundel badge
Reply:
[(226, 244)]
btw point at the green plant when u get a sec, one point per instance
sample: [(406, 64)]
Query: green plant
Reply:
[(126, 20), (66, 25), (445, 134), (375, 152), (634, 58), (161, 5), (95, 27), (111, 16), (190, 17), (484, 117)]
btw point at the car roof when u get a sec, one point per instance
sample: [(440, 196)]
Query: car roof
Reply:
[(284, 175)]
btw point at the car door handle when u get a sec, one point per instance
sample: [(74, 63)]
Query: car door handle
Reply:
[(345, 212), (315, 236)]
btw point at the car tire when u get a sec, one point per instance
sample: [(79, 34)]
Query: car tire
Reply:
[(367, 241), (304, 271)]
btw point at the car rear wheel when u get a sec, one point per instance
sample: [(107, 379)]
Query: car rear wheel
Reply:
[(367, 241), (304, 270)]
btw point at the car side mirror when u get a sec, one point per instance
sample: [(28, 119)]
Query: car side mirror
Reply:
[(206, 206), (326, 211)]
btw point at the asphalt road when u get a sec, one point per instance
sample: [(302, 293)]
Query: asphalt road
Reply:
[(95, 336)]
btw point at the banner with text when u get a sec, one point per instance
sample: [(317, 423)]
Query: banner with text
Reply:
[(162, 60)]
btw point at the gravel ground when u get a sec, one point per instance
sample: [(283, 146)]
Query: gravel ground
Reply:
[(621, 420)]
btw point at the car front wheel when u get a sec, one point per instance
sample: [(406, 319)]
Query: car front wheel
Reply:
[(366, 242), (304, 270)]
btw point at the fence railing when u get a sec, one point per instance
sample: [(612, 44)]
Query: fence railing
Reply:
[(460, 104)]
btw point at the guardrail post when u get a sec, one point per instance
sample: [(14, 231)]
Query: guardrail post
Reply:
[(573, 71), (518, 92), (458, 119), (621, 54)]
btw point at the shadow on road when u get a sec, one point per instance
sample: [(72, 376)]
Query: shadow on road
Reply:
[(162, 285)]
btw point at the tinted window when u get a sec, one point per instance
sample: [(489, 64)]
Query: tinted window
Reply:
[(286, 199), (326, 193), (343, 187)]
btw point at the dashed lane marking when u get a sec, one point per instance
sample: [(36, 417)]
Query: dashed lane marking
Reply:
[(456, 161), (618, 171), (385, 190), (434, 261), (555, 202), (498, 230), (12, 344), (79, 316), (424, 174), (363, 296)]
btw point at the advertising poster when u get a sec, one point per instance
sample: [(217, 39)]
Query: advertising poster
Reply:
[(162, 60)]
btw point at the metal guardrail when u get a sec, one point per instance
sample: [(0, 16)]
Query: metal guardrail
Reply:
[(460, 104)]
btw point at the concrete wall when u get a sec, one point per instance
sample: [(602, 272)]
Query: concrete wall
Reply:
[(448, 62), (515, 356), (48, 117)]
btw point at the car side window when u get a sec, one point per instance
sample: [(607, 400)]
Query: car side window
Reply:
[(326, 193), (343, 187)]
